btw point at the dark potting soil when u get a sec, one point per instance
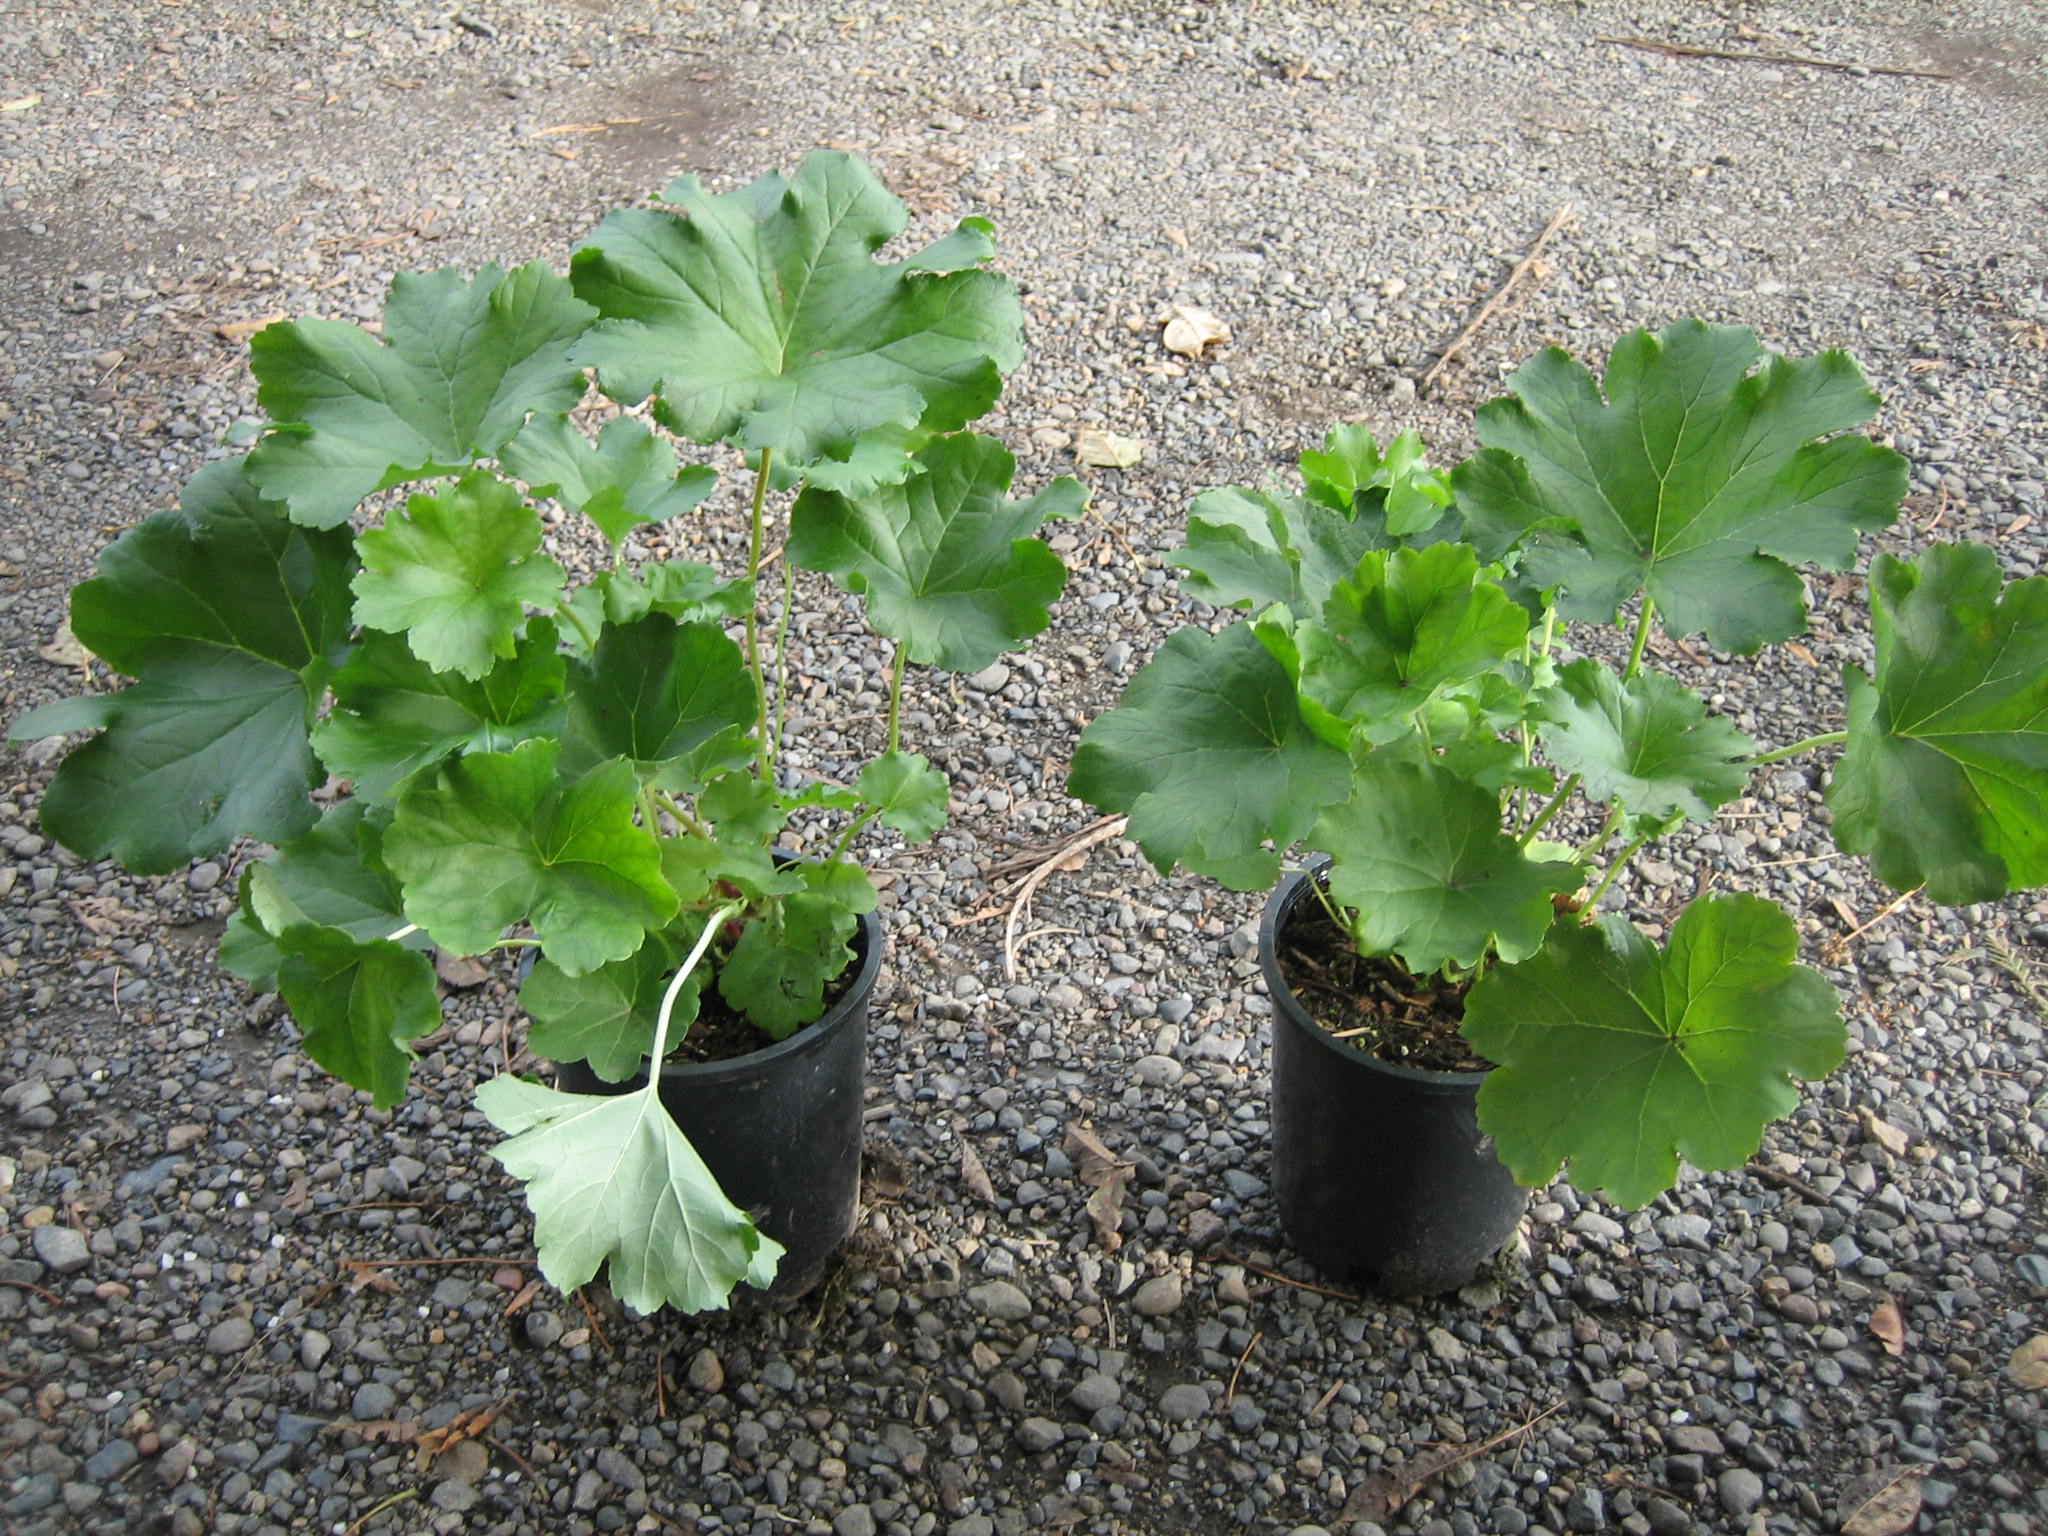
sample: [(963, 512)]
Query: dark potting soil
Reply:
[(1372, 1005)]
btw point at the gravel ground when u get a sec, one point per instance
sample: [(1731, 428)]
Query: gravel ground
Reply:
[(183, 1343)]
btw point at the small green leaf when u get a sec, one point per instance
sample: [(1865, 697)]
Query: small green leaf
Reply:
[(912, 793), (654, 691), (1210, 758), (628, 477), (1418, 853), (1408, 624), (495, 838), (761, 317), (1648, 743), (1415, 495), (394, 715), (1252, 549), (1695, 480), (453, 574), (458, 369), (1622, 1059), (1944, 781), (744, 809), (358, 1003), (777, 973), (606, 1017), (612, 1181), (946, 561), (682, 590), (333, 876)]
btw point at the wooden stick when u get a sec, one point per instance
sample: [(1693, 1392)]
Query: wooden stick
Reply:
[(1101, 832), (1230, 1392), (1492, 306), (1689, 51), (1224, 1256)]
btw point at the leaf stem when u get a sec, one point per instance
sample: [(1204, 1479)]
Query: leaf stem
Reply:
[(846, 838), (756, 527), (668, 998), (1613, 870), (1550, 809), (649, 816), (1599, 839), (563, 610), (1824, 739), (896, 692), (404, 933), (682, 815), (1642, 638), (782, 661)]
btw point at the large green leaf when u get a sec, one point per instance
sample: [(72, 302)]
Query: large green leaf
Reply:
[(1418, 853), (496, 838), (211, 746), (611, 1180), (334, 877), (627, 477), (1695, 479), (1209, 756), (655, 690), (454, 574), (1648, 743), (1252, 549), (1623, 1059), (947, 562), (225, 570), (1944, 781), (760, 316), (357, 1003), (606, 1017), (1407, 625), (393, 714), (458, 369)]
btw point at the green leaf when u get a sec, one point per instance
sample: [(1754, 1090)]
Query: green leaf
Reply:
[(1648, 743), (211, 746), (394, 715), (1944, 781), (911, 793), (611, 1180), (626, 478), (785, 957), (333, 876), (654, 691), (459, 368), (495, 838), (744, 809), (679, 589), (1209, 756), (947, 563), (760, 316), (1408, 625), (1695, 480), (1623, 1059), (1416, 496), (226, 570), (1419, 854), (1252, 549), (453, 574), (358, 1003), (606, 1017)]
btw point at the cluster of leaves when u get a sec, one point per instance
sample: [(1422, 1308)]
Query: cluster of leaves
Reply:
[(1398, 700), (585, 768)]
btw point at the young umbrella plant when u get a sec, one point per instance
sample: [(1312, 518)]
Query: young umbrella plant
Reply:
[(449, 740), (1400, 697)]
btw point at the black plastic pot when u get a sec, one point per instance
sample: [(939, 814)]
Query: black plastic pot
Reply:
[(781, 1128), (1380, 1171)]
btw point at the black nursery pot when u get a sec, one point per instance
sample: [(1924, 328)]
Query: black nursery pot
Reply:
[(780, 1129), (1380, 1171)]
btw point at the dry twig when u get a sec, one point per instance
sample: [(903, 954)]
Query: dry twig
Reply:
[(1102, 831), (1224, 1256), (1690, 51), (1491, 307), (1230, 1392)]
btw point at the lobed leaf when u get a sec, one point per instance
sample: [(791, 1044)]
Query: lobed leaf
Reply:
[(910, 793), (1944, 781), (1415, 496), (628, 477), (606, 1017), (1252, 549), (786, 955), (1621, 1059), (655, 691), (358, 1002), (1647, 742)]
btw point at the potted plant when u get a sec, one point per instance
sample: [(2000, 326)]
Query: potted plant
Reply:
[(1400, 699), (450, 741)]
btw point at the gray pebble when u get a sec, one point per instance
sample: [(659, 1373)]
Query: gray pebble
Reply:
[(1000, 1300), (1039, 1434), (111, 1460), (231, 1335), (63, 1249), (1183, 1403), (1739, 1490), (373, 1401)]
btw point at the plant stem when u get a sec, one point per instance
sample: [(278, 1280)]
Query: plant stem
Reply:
[(1642, 638), (896, 692), (404, 933), (668, 998), (1824, 739), (782, 661), (648, 815), (1599, 839), (1550, 809), (564, 611), (757, 522), (1614, 869), (682, 815), (846, 838)]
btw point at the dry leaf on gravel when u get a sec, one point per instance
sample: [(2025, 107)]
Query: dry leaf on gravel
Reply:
[(238, 331), (1881, 1503), (1190, 331), (64, 649), (1888, 1327), (2028, 1366), (379, 1431), (459, 971), (974, 1175), (1100, 1168), (470, 1424), (1106, 450)]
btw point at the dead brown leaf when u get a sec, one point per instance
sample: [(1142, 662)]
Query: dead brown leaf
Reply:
[(470, 1424), (1105, 1210), (363, 1276), (974, 1175), (1380, 1496), (1106, 450), (459, 971), (65, 651), (239, 331), (523, 1300), (380, 1431), (1191, 330), (1881, 1503), (1107, 1174), (1888, 1327), (2028, 1366)]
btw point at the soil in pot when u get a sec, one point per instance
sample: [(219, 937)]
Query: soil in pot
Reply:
[(1380, 1171)]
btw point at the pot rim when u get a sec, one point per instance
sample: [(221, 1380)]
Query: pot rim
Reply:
[(1285, 897)]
